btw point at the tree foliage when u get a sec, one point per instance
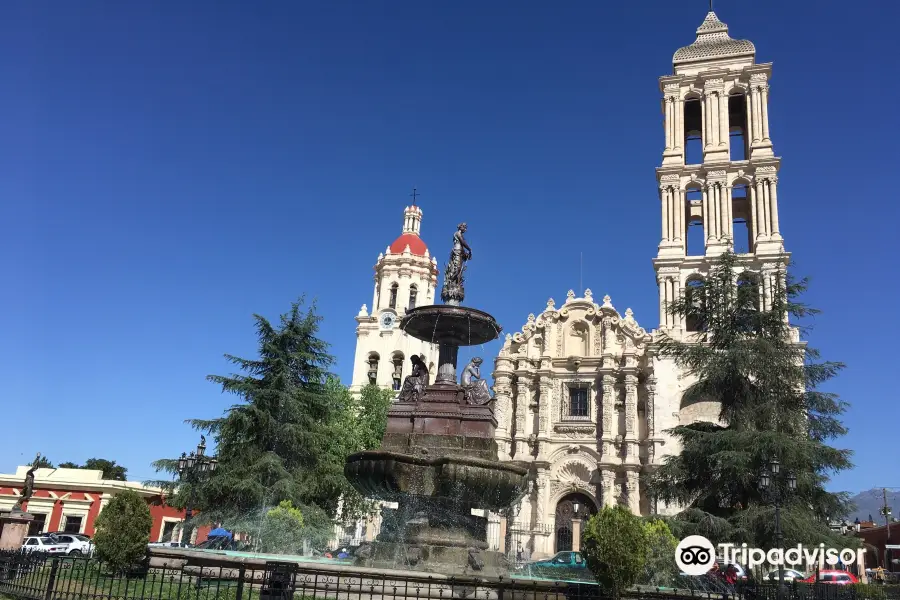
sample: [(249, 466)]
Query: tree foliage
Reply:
[(111, 470), (615, 547), (122, 530), (288, 436), (749, 358), (660, 568)]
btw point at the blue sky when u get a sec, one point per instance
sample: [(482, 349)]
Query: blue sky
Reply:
[(169, 168)]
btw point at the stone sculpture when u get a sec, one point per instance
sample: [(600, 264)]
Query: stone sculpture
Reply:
[(28, 488), (453, 291), (414, 385), (474, 387)]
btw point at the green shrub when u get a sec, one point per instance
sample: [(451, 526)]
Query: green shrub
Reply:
[(615, 547), (660, 569), (123, 530)]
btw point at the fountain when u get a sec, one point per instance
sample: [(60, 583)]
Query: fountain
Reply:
[(438, 458)]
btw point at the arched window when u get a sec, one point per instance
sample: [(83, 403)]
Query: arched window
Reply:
[(373, 366), (397, 360), (737, 125), (392, 303), (413, 293), (695, 245), (740, 215), (693, 130), (693, 292)]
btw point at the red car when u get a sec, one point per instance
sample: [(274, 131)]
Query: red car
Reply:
[(833, 576)]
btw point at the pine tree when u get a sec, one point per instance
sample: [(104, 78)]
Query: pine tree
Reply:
[(748, 357), (270, 445)]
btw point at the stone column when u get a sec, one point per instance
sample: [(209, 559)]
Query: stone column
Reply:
[(650, 415), (576, 535), (679, 123), (631, 417), (663, 313), (764, 104), (773, 204), (748, 134), (670, 121), (754, 220), (608, 477), (632, 491), (608, 421), (723, 119), (523, 399), (757, 117), (546, 384), (707, 217), (707, 121), (760, 203), (664, 199)]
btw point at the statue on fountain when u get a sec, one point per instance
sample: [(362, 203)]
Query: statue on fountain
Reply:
[(453, 292), (414, 385), (475, 389)]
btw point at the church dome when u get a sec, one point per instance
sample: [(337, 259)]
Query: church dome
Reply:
[(415, 243), (713, 42)]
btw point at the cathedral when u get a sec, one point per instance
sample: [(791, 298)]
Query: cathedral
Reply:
[(581, 392)]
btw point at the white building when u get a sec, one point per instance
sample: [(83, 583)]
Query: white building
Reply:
[(581, 392), (405, 277)]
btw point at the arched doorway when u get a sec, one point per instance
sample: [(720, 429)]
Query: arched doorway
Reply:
[(565, 512)]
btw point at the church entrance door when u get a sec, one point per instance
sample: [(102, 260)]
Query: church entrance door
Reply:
[(565, 512)]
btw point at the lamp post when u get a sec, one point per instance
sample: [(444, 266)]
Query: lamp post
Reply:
[(775, 487), (192, 468)]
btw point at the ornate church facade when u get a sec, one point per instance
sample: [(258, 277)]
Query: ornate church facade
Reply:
[(581, 392)]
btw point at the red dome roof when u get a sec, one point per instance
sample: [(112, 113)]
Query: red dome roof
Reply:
[(415, 243)]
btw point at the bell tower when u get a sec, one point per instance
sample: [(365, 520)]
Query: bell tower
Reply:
[(718, 183), (405, 277)]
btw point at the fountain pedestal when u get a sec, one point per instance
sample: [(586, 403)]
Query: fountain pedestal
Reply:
[(438, 462)]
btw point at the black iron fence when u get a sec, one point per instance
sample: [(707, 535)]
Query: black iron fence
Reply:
[(42, 577)]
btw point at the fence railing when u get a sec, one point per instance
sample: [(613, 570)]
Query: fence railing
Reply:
[(43, 577)]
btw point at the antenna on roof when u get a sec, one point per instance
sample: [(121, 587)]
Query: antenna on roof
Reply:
[(581, 273), (710, 5)]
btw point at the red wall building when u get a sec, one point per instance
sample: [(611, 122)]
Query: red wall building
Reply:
[(70, 500)]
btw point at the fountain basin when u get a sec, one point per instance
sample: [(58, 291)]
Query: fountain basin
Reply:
[(458, 481), (453, 325)]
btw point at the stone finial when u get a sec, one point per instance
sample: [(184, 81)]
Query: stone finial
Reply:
[(380, 256), (531, 317), (388, 250), (406, 250), (629, 314), (364, 311), (551, 304), (588, 294), (607, 301), (570, 295)]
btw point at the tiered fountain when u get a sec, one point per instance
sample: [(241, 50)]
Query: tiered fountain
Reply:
[(438, 459)]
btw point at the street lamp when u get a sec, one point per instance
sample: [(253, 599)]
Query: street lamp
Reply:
[(775, 488), (192, 468)]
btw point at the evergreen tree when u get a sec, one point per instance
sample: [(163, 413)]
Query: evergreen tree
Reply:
[(748, 357), (122, 530), (615, 547), (270, 445)]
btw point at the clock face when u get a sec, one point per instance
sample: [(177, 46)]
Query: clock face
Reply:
[(387, 320)]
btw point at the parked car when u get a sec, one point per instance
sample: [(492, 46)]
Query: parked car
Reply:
[(35, 543), (76, 544), (169, 545), (833, 576), (561, 565), (787, 574)]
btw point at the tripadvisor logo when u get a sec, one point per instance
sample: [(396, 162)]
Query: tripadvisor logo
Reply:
[(696, 555)]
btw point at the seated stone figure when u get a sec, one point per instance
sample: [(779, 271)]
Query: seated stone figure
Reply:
[(414, 385), (474, 387)]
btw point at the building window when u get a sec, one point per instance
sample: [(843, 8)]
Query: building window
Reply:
[(578, 402), (413, 292), (392, 303), (168, 531), (73, 524), (37, 525)]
